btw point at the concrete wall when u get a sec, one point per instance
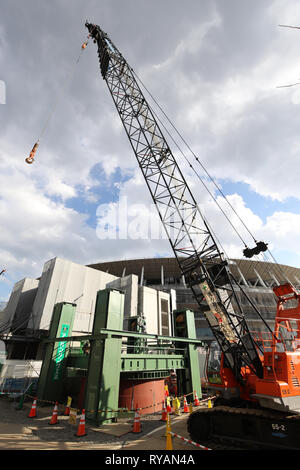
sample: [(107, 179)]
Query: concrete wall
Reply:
[(148, 307), (64, 281), (128, 284), (25, 305), (164, 317), (19, 305), (150, 304)]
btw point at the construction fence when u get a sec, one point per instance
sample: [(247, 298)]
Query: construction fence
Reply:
[(175, 406)]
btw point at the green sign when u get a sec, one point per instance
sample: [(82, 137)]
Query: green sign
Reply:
[(61, 351)]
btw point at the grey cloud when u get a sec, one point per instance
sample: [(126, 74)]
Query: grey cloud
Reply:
[(39, 44)]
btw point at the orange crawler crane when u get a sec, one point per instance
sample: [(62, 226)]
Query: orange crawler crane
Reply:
[(261, 410), (256, 375)]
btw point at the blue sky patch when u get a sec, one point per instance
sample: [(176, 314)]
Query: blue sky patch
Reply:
[(260, 205)]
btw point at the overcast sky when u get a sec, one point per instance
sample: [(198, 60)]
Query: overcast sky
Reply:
[(213, 65)]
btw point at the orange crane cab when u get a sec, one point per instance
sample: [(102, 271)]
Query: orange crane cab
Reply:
[(279, 388)]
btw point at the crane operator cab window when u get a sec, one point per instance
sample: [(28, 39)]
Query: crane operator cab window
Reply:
[(214, 363), (287, 338)]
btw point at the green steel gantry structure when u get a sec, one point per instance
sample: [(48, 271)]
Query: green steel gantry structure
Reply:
[(143, 356)]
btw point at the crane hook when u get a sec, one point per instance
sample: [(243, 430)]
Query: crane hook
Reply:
[(260, 246), (30, 159)]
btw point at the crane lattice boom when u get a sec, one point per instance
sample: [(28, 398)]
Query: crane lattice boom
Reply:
[(202, 264)]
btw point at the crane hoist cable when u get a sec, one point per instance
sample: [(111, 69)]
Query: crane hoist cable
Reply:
[(292, 84), (199, 177), (195, 156), (288, 26), (30, 159), (248, 252), (256, 254)]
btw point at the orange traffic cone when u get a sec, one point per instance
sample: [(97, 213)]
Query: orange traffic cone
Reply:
[(196, 400), (185, 405), (68, 405), (32, 413), (136, 422), (81, 428), (54, 415), (164, 412)]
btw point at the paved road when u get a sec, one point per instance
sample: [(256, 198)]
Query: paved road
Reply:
[(18, 431)]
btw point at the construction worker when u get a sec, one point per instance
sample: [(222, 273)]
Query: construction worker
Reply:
[(173, 383), (86, 348)]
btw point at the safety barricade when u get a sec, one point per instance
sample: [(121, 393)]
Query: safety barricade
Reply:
[(189, 441), (169, 434), (177, 403), (72, 414), (165, 413)]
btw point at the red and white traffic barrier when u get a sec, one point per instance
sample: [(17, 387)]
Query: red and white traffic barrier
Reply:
[(189, 441)]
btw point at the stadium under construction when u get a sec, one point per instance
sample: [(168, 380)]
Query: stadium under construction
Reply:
[(153, 287), (146, 297)]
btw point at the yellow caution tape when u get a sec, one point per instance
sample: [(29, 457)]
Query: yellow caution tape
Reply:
[(175, 401)]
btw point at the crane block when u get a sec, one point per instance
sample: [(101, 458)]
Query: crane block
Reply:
[(30, 159), (260, 246)]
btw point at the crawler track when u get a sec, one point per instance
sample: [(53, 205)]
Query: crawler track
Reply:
[(245, 428)]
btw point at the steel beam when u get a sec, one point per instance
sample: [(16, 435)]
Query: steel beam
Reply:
[(104, 332), (143, 362)]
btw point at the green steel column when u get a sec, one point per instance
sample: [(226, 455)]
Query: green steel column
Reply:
[(50, 384), (184, 326), (103, 379)]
